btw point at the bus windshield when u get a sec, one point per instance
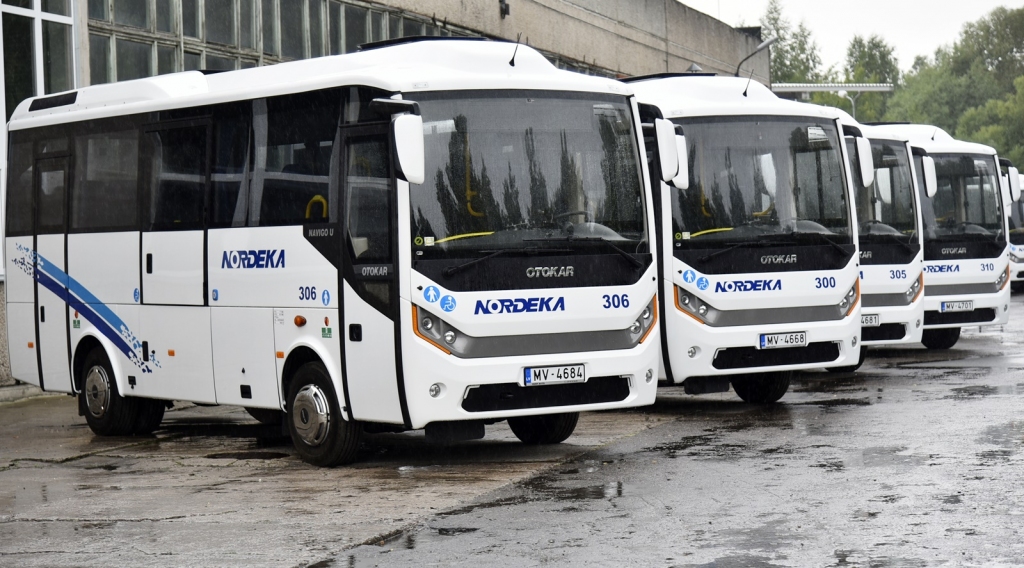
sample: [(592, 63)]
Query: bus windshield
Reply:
[(527, 170), (968, 202), (885, 209), (761, 178), (1016, 220)]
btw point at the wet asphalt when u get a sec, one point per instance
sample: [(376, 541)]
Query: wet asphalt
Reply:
[(916, 460)]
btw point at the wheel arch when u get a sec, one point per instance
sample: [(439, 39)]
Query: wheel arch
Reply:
[(85, 345), (301, 353)]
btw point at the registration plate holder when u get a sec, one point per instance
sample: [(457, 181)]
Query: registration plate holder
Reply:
[(869, 320), (554, 374), (782, 340), (961, 306)]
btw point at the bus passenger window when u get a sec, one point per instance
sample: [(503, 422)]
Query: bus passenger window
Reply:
[(19, 187), (231, 149), (177, 184), (105, 192), (368, 207)]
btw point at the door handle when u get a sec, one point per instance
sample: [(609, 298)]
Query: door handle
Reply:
[(355, 332), (42, 314), (145, 351), (149, 263)]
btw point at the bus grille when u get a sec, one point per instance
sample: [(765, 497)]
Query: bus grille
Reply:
[(980, 315), (511, 396), (884, 332), (747, 357)]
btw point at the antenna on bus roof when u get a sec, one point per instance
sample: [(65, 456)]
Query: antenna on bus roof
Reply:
[(749, 79), (512, 62)]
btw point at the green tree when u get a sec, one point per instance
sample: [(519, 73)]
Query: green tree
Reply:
[(794, 57), (998, 123), (870, 60)]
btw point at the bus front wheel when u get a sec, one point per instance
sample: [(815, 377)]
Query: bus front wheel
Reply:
[(940, 338), (762, 388), (320, 435), (851, 368), (544, 429), (106, 411)]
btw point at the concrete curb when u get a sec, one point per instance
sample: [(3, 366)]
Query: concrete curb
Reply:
[(19, 392)]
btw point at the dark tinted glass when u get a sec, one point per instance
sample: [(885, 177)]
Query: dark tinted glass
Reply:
[(367, 195), (52, 182), (292, 41), (177, 179), (295, 137), (104, 196), (19, 186), (99, 56), (230, 156)]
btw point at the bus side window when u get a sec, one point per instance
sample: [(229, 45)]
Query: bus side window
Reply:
[(105, 191), (295, 141), (368, 207), (177, 178), (229, 173), (19, 187)]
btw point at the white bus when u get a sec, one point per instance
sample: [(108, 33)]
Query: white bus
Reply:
[(966, 262), (891, 245), (422, 235), (1015, 215), (760, 274)]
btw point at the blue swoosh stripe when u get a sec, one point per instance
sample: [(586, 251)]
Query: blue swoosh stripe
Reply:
[(78, 290)]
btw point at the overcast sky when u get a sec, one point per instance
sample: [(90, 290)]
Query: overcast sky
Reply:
[(913, 27)]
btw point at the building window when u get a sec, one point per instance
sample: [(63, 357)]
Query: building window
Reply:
[(355, 27), (292, 42), (220, 21), (193, 61), (247, 23), (218, 63), (269, 27), (98, 10), (57, 67), (19, 76), (166, 59), (190, 18), (134, 60), (99, 59), (164, 17), (59, 7), (133, 13)]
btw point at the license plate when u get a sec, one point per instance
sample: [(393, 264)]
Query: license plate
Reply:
[(533, 376), (777, 340), (869, 321), (965, 306)]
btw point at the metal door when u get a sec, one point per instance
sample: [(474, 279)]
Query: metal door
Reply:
[(50, 186)]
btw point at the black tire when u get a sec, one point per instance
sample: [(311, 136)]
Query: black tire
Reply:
[(267, 416), (940, 338), (762, 388), (320, 435), (544, 429), (851, 368), (106, 411), (151, 414)]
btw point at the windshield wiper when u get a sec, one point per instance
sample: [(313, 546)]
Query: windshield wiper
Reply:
[(892, 238), (452, 270), (571, 239), (823, 237), (718, 252)]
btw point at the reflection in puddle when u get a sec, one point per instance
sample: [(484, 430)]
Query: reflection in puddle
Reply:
[(246, 456)]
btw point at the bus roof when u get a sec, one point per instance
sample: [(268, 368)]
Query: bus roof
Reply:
[(686, 96), (934, 140), (411, 66)]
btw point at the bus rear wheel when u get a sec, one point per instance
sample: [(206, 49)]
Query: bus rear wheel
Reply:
[(106, 411), (320, 435), (940, 338), (762, 388), (544, 429), (151, 414)]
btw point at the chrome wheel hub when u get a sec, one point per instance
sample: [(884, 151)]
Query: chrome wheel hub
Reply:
[(311, 415), (97, 391)]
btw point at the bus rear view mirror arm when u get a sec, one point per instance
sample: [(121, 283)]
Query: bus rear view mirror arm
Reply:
[(867, 161), (931, 181), (668, 155), (407, 131)]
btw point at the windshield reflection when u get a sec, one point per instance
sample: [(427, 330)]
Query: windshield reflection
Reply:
[(968, 203), (885, 209), (754, 178), (508, 171)]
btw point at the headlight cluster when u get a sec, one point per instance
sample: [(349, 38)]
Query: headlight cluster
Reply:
[(850, 299), (642, 326), (1016, 258), (694, 307), (915, 289), (1001, 281), (438, 332)]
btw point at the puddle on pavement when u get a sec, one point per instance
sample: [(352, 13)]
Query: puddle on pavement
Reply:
[(890, 456), (831, 465), (246, 456), (1009, 435), (836, 402), (979, 391), (455, 531), (952, 499), (829, 383)]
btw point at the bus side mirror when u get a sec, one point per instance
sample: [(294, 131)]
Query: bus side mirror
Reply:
[(668, 155), (1014, 183), (682, 179), (407, 130), (867, 161), (931, 181)]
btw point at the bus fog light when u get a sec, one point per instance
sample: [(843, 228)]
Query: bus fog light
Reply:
[(917, 323), (702, 310), (436, 389), (427, 323), (853, 342), (693, 351), (636, 327), (449, 337), (650, 375), (684, 300)]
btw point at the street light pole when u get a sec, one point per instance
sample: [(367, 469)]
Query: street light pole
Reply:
[(764, 45), (853, 102)]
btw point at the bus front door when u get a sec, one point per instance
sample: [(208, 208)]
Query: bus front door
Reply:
[(52, 342), (370, 281)]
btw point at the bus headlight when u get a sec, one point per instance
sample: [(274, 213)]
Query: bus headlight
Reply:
[(1016, 258), (850, 299), (694, 307), (1001, 281), (642, 326)]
